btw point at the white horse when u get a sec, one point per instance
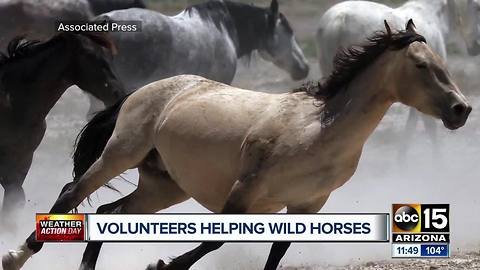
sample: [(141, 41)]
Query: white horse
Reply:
[(470, 25), (204, 39), (348, 22), (260, 152)]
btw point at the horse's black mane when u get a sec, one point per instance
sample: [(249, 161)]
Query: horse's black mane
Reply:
[(247, 24), (17, 48), (215, 11), (20, 47), (349, 62), (103, 6)]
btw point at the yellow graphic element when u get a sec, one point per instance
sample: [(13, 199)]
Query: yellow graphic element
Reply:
[(417, 228)]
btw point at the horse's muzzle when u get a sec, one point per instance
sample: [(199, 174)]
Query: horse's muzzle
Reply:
[(456, 116)]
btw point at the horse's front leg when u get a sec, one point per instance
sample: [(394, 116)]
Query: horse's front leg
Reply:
[(241, 197), (13, 199), (279, 249), (12, 177), (246, 190), (15, 259), (14, 166)]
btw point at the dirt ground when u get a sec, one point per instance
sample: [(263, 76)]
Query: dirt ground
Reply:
[(468, 261)]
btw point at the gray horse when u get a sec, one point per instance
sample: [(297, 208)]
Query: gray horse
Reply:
[(36, 19), (204, 39)]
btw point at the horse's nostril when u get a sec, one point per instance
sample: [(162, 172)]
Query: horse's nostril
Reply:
[(469, 109), (459, 109)]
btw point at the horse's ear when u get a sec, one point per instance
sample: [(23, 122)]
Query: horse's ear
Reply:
[(387, 27), (410, 26), (273, 14), (274, 7), (102, 39)]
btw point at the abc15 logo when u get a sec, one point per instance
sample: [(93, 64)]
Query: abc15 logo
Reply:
[(420, 218)]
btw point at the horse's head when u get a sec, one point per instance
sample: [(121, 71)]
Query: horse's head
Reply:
[(92, 71), (280, 46), (422, 81), (28, 72)]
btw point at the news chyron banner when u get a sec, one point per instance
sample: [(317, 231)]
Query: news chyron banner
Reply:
[(420, 230), (214, 227)]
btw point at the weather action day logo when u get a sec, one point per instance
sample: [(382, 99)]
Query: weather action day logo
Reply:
[(60, 227)]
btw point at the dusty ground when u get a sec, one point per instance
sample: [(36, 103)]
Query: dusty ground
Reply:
[(468, 261)]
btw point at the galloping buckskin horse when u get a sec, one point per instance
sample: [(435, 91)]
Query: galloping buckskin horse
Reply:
[(241, 151), (33, 77)]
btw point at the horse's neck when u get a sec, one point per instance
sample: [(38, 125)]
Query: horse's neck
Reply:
[(245, 25), (35, 105), (36, 101), (250, 28), (218, 32), (353, 114)]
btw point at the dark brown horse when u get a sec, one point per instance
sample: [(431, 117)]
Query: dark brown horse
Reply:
[(36, 19), (33, 76)]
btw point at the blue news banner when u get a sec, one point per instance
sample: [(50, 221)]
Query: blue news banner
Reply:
[(420, 250), (238, 228)]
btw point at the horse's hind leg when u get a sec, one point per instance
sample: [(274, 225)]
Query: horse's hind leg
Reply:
[(120, 154), (156, 191)]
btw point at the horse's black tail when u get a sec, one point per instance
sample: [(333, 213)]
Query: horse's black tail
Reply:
[(92, 139)]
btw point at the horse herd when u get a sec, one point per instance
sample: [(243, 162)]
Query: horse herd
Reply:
[(260, 152)]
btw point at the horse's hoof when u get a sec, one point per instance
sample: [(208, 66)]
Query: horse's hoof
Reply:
[(15, 259), (85, 267), (9, 261), (160, 265)]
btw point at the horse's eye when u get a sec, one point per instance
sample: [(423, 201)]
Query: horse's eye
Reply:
[(421, 65)]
